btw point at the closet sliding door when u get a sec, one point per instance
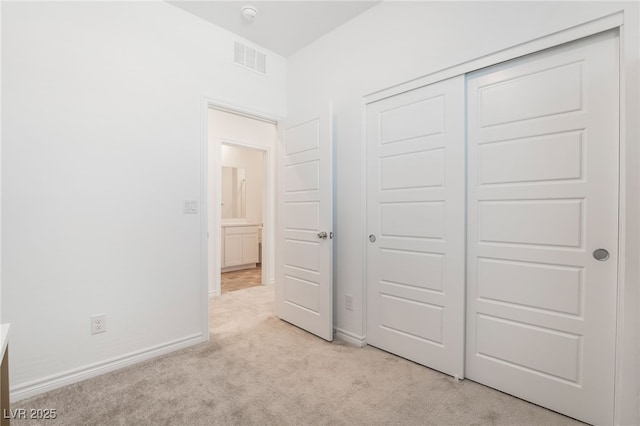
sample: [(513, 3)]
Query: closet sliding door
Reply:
[(415, 225), (540, 177), (543, 227)]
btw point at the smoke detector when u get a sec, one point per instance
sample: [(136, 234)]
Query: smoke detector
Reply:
[(249, 13)]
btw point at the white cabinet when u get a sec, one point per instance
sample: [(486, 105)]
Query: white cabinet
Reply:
[(239, 247)]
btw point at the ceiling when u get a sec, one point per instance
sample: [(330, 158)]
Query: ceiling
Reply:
[(281, 26)]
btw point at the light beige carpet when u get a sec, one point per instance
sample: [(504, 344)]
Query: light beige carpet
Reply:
[(259, 370)]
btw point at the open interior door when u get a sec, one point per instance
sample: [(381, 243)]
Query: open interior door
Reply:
[(304, 273)]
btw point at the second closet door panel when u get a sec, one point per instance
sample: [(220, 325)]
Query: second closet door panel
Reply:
[(416, 217), (543, 197)]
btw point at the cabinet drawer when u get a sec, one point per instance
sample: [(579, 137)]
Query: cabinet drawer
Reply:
[(235, 230)]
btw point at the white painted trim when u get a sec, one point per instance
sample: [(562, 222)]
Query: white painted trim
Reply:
[(244, 144), (239, 268), (204, 222), (365, 222), (55, 381), (622, 252), (627, 376), (350, 338), (586, 29), (277, 220), (240, 110)]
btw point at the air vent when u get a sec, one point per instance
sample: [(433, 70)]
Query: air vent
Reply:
[(238, 53), (261, 63), (249, 57)]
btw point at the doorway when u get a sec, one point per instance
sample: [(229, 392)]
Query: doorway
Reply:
[(240, 200), (243, 197)]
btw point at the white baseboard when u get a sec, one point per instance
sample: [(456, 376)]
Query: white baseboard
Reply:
[(350, 338), (36, 387), (271, 282), (238, 268)]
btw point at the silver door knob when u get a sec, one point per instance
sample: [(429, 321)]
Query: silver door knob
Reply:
[(322, 235), (372, 238), (601, 255)]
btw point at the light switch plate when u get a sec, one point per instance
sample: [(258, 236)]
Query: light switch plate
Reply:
[(190, 207)]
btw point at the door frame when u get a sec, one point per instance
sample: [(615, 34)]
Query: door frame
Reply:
[(211, 257), (626, 375)]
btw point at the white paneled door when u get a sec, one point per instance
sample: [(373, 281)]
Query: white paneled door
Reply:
[(543, 227), (304, 287), (415, 223)]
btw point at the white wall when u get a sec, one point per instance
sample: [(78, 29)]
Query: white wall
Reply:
[(102, 115), (398, 41), (251, 161), (261, 135)]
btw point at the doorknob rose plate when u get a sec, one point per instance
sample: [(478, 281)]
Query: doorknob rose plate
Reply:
[(601, 254)]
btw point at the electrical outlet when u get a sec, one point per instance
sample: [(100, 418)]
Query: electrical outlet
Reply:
[(98, 323), (348, 302)]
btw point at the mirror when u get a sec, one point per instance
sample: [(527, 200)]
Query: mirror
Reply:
[(233, 193)]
